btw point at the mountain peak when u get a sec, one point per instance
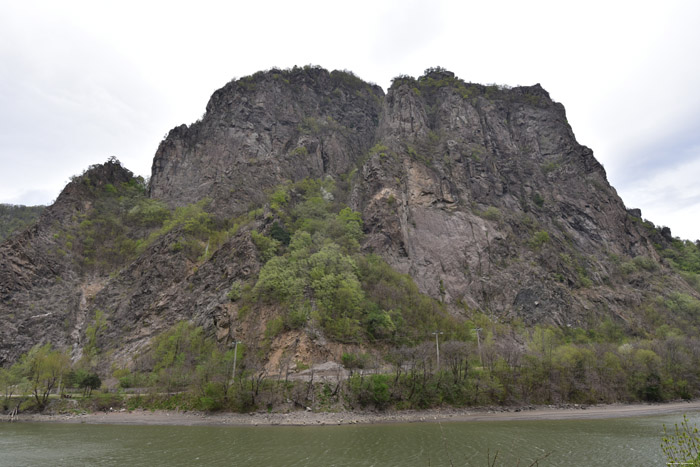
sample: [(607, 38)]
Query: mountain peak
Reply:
[(480, 194)]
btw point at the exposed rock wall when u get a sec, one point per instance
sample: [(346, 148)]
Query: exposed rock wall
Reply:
[(464, 186), (263, 130), (41, 287), (482, 194)]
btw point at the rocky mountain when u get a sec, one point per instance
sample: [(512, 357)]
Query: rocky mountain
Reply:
[(481, 194)]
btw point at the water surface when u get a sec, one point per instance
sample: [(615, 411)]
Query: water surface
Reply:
[(625, 441)]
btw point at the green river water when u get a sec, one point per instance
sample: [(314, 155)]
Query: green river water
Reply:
[(625, 441)]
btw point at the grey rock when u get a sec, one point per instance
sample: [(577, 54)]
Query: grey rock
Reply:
[(482, 194)]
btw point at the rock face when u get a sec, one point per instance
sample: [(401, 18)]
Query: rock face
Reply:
[(471, 177), (480, 193), (42, 291), (261, 131)]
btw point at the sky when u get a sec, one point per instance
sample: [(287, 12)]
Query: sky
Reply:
[(81, 81)]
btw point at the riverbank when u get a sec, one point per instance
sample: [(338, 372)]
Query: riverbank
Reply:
[(308, 418)]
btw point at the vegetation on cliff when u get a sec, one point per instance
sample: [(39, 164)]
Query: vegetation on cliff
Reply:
[(308, 219), (319, 281), (14, 218)]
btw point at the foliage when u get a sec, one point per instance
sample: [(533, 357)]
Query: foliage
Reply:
[(108, 233), (176, 353), (87, 381), (645, 263), (12, 381), (14, 218), (92, 333), (121, 222), (538, 199), (538, 239), (683, 304), (351, 360), (44, 367), (235, 293), (684, 255), (148, 212), (372, 390), (492, 213), (356, 297), (682, 446), (266, 246), (543, 365)]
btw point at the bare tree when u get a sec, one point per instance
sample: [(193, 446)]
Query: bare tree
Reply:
[(456, 354)]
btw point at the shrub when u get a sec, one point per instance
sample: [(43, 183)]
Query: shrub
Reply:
[(280, 234), (372, 390), (682, 446), (538, 239), (538, 199), (148, 213), (646, 263), (351, 360), (300, 151), (235, 293), (274, 327), (627, 268), (266, 246), (492, 213)]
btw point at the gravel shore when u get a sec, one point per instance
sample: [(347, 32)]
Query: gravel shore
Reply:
[(300, 418)]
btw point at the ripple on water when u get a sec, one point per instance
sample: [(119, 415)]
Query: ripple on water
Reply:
[(627, 441)]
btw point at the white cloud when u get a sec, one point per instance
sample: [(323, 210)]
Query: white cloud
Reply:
[(671, 196), (84, 80)]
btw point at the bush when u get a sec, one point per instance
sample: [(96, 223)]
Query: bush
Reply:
[(371, 391), (492, 213), (538, 199), (214, 398), (266, 246), (351, 360), (274, 327), (646, 263), (354, 296), (235, 293), (148, 213), (538, 239), (682, 446)]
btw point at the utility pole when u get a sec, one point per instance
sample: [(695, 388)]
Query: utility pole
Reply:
[(478, 343), (437, 348), (235, 355)]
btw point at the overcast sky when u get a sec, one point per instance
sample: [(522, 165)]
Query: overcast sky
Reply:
[(81, 81)]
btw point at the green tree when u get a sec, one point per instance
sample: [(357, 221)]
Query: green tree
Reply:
[(10, 383), (44, 368), (92, 334), (682, 446), (84, 380), (176, 354)]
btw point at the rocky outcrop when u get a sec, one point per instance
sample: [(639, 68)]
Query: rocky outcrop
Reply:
[(263, 130), (469, 178), (481, 193), (40, 282)]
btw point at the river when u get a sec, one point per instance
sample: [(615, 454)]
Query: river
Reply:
[(624, 441)]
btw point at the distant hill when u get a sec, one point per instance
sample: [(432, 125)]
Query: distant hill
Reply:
[(16, 217)]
